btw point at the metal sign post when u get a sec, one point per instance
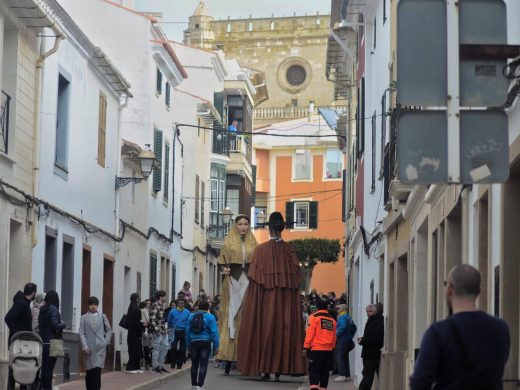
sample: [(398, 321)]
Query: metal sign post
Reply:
[(453, 101)]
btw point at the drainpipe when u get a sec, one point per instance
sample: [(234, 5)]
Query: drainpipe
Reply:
[(123, 103), (37, 125)]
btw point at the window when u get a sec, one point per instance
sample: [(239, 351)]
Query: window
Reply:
[(157, 149), (202, 203), (158, 86), (166, 171), (197, 199), (272, 26), (304, 214), (139, 282), (62, 123), (153, 274), (229, 27), (259, 210), (250, 26), (167, 94), (301, 214), (102, 130), (318, 22), (361, 119), (233, 201), (302, 164), (213, 207), (333, 164), (374, 142), (384, 12)]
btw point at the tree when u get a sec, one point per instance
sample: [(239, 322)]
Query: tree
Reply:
[(317, 250), (310, 251)]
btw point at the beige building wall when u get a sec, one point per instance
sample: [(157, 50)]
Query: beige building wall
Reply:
[(16, 168), (290, 50)]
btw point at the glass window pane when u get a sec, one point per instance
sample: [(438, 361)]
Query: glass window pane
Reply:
[(333, 165), (302, 165), (301, 214)]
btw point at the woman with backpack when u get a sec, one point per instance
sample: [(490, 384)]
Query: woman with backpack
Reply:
[(201, 333)]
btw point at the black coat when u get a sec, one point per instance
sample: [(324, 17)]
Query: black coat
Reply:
[(133, 317), (49, 321), (19, 317), (373, 337)]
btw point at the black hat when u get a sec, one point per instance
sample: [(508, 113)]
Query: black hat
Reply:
[(276, 221)]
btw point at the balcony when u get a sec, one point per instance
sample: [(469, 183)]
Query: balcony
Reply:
[(281, 113), (220, 140), (241, 156), (4, 122)]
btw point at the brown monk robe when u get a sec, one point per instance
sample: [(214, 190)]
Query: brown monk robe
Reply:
[(271, 333)]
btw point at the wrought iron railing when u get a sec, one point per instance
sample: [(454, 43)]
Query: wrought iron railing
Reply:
[(4, 122), (220, 140)]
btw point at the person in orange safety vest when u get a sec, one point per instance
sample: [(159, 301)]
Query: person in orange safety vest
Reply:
[(319, 344)]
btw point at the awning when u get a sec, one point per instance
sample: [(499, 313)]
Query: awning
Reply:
[(34, 15)]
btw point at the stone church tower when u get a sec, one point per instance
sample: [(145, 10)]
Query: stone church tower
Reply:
[(290, 51), (200, 32)]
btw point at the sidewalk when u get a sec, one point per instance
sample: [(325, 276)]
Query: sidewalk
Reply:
[(120, 380)]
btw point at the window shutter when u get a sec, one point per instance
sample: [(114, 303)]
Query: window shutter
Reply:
[(102, 125), (157, 149), (166, 171), (313, 215), (289, 212), (218, 101), (167, 94), (158, 86), (153, 274)]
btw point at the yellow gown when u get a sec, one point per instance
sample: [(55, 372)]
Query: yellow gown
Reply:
[(235, 254)]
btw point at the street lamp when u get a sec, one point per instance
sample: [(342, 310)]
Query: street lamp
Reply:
[(146, 159), (227, 214), (261, 217)]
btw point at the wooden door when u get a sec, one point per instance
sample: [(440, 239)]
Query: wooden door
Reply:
[(108, 305)]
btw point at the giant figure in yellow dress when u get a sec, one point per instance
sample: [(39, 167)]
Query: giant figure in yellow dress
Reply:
[(234, 262)]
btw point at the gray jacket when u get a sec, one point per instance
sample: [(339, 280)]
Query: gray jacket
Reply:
[(95, 333)]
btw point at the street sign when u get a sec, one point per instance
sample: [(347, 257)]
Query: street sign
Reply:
[(484, 149), (447, 140), (421, 53), (422, 147), (482, 83)]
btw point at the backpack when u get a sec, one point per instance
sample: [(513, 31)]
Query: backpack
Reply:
[(353, 326), (197, 323)]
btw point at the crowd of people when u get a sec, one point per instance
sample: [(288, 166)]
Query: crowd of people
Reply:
[(263, 325), (40, 313)]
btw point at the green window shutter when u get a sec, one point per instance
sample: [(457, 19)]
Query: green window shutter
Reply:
[(289, 212), (157, 149), (313, 215), (167, 94), (218, 102), (166, 171), (153, 274)]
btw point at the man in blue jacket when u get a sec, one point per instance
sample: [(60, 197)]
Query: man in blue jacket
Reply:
[(178, 321), (201, 332), (344, 334)]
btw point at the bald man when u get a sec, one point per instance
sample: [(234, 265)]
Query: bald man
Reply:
[(469, 350)]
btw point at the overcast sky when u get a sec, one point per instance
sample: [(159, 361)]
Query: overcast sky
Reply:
[(180, 10)]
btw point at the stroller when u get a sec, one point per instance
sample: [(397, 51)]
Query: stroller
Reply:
[(25, 359)]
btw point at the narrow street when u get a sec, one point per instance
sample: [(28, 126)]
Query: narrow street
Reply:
[(218, 381)]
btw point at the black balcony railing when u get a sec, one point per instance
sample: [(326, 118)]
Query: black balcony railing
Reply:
[(220, 140), (4, 122)]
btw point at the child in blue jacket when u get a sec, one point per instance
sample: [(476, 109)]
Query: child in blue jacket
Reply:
[(201, 332)]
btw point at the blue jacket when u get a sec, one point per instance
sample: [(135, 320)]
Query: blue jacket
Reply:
[(210, 331), (178, 319), (346, 328), (51, 326)]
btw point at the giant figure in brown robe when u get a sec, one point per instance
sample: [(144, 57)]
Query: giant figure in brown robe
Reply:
[(271, 333)]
